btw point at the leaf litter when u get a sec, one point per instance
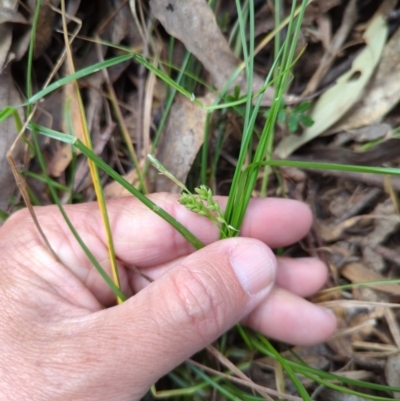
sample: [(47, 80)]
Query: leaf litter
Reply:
[(349, 72)]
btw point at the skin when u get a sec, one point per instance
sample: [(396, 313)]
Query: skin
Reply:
[(63, 338)]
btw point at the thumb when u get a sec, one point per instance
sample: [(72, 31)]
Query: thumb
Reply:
[(191, 305)]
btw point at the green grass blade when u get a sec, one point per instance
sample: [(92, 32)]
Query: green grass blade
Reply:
[(90, 256), (118, 293), (117, 177), (78, 75), (323, 377), (213, 383), (288, 369), (328, 166)]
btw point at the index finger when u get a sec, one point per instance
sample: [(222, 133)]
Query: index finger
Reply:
[(141, 238), (144, 239)]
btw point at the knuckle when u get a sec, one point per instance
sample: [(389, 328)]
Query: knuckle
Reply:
[(199, 301)]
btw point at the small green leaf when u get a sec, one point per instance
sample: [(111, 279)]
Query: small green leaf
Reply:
[(293, 123), (302, 107), (306, 120), (236, 92), (282, 116)]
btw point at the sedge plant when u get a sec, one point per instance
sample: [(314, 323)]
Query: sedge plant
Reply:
[(193, 381)]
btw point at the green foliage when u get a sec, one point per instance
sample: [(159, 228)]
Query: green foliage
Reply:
[(205, 205), (202, 203), (3, 215), (294, 117)]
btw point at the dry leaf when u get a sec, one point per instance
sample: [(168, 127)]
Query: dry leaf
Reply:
[(6, 33), (60, 160), (385, 225), (331, 233), (14, 48), (121, 26), (194, 24), (181, 141), (9, 15), (8, 96), (114, 189), (45, 24), (333, 395), (335, 102), (382, 94), (392, 373), (357, 273), (393, 325), (370, 132)]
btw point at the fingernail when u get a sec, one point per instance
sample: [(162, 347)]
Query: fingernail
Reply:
[(253, 266)]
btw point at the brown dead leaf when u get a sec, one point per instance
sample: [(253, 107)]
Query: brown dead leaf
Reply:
[(63, 155), (330, 233), (60, 160), (50, 113), (115, 189), (358, 273), (8, 96), (194, 24), (45, 26), (393, 326), (181, 141)]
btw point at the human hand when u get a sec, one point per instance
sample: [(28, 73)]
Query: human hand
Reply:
[(58, 340)]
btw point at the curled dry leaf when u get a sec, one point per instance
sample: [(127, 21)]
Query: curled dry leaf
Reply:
[(194, 24), (338, 100), (8, 96), (181, 141)]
